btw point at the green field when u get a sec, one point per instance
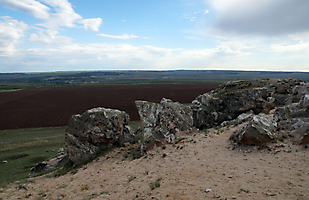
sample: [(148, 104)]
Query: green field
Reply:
[(23, 148)]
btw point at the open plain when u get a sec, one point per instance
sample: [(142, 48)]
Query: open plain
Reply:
[(50, 107)]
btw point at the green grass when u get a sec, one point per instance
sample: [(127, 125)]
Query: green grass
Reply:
[(155, 184), (23, 148)]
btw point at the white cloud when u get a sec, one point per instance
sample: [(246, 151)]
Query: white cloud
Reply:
[(263, 17), (65, 16), (11, 32), (225, 49), (92, 24), (79, 56), (31, 7), (123, 37), (162, 52), (125, 56), (301, 48), (49, 37)]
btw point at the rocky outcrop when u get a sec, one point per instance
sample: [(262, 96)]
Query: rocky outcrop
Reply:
[(162, 121), (96, 130), (234, 98), (260, 130), (294, 118), (211, 109)]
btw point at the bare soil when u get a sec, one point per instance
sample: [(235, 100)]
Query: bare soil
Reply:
[(49, 107), (203, 166)]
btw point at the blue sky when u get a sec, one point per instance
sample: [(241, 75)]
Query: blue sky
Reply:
[(54, 35)]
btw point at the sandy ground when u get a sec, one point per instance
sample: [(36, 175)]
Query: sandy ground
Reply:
[(200, 167)]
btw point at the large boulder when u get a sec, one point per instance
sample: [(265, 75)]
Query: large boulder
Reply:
[(161, 122), (301, 132), (96, 130), (260, 130), (211, 109)]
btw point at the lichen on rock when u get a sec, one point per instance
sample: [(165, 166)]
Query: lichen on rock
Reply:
[(162, 121), (95, 130)]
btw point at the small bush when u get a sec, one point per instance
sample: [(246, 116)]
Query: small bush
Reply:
[(155, 184), (131, 178), (179, 140), (138, 137), (242, 190), (104, 192), (62, 186), (85, 187)]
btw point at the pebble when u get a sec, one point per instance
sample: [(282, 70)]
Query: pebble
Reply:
[(208, 190), (5, 161), (271, 194)]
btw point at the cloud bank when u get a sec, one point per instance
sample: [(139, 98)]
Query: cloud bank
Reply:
[(262, 17), (11, 33)]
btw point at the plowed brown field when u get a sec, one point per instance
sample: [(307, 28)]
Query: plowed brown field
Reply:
[(46, 107)]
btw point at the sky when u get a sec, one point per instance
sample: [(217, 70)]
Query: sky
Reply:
[(66, 35)]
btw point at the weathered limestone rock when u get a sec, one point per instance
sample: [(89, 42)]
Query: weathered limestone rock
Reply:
[(287, 116), (148, 113), (301, 132), (234, 98), (162, 121), (96, 130), (240, 119), (260, 130), (211, 109), (53, 163)]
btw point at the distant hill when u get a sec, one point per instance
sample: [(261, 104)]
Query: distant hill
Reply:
[(10, 81)]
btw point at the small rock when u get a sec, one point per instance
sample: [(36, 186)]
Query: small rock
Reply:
[(271, 194), (5, 161), (22, 187), (208, 190)]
